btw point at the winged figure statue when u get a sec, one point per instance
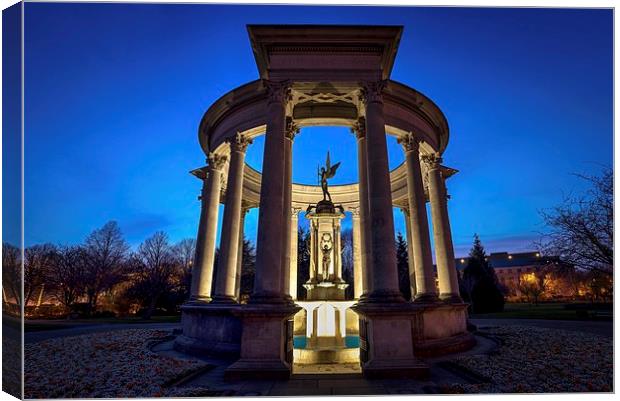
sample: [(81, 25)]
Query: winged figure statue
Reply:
[(325, 173)]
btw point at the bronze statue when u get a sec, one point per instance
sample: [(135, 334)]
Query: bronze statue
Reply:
[(327, 172)]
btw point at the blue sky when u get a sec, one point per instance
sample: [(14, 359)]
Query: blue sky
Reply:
[(114, 94)]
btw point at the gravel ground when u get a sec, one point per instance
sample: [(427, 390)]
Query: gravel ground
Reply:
[(120, 364), (111, 365), (540, 360)]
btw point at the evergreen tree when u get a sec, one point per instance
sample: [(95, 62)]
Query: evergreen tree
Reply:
[(480, 286), (248, 263), (402, 262), (303, 261)]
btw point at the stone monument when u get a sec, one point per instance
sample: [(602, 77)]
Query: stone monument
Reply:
[(325, 309)]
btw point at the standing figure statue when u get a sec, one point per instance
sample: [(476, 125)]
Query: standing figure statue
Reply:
[(327, 172)]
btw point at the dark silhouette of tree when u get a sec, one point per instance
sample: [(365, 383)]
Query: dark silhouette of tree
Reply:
[(248, 264), (480, 280), (184, 252), (38, 261), (67, 276), (582, 228), (153, 268), (347, 261), (106, 254), (12, 275), (402, 263), (303, 261)]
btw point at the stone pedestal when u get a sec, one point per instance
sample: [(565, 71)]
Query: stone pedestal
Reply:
[(266, 342), (441, 329), (210, 329), (393, 337), (386, 341)]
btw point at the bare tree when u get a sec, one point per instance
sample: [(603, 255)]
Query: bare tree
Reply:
[(11, 274), (38, 260), (184, 251), (155, 264), (582, 227), (106, 252), (67, 275)]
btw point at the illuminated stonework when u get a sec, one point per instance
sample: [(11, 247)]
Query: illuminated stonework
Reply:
[(330, 76)]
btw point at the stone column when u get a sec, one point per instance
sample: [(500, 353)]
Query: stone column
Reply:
[(290, 132), (359, 129), (444, 251), (383, 260), (244, 209), (357, 257), (420, 238), (407, 216), (202, 273), (270, 240), (229, 242), (293, 265)]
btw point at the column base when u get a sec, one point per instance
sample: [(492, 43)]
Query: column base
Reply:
[(266, 342), (199, 300), (427, 298), (451, 298), (270, 298), (224, 299), (384, 297)]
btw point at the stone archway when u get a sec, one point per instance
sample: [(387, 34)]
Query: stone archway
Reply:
[(325, 75)]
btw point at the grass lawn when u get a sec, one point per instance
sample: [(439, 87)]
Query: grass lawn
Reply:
[(551, 311), (40, 325)]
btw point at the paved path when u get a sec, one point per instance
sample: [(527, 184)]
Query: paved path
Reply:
[(601, 328), (87, 328), (321, 384)]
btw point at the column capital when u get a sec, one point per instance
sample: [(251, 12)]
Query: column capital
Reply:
[(291, 128), (216, 161), (278, 91), (409, 142), (432, 161), (405, 210), (355, 212), (295, 211), (372, 91), (245, 206), (359, 128), (239, 142)]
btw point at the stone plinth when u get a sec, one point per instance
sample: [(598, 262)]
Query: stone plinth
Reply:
[(266, 342), (394, 336), (441, 329), (386, 341), (210, 329)]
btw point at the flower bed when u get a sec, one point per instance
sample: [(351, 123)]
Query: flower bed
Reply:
[(115, 364), (538, 360)]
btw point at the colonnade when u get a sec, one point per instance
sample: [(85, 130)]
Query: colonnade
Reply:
[(374, 254)]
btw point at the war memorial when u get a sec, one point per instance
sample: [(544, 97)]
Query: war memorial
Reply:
[(324, 76)]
